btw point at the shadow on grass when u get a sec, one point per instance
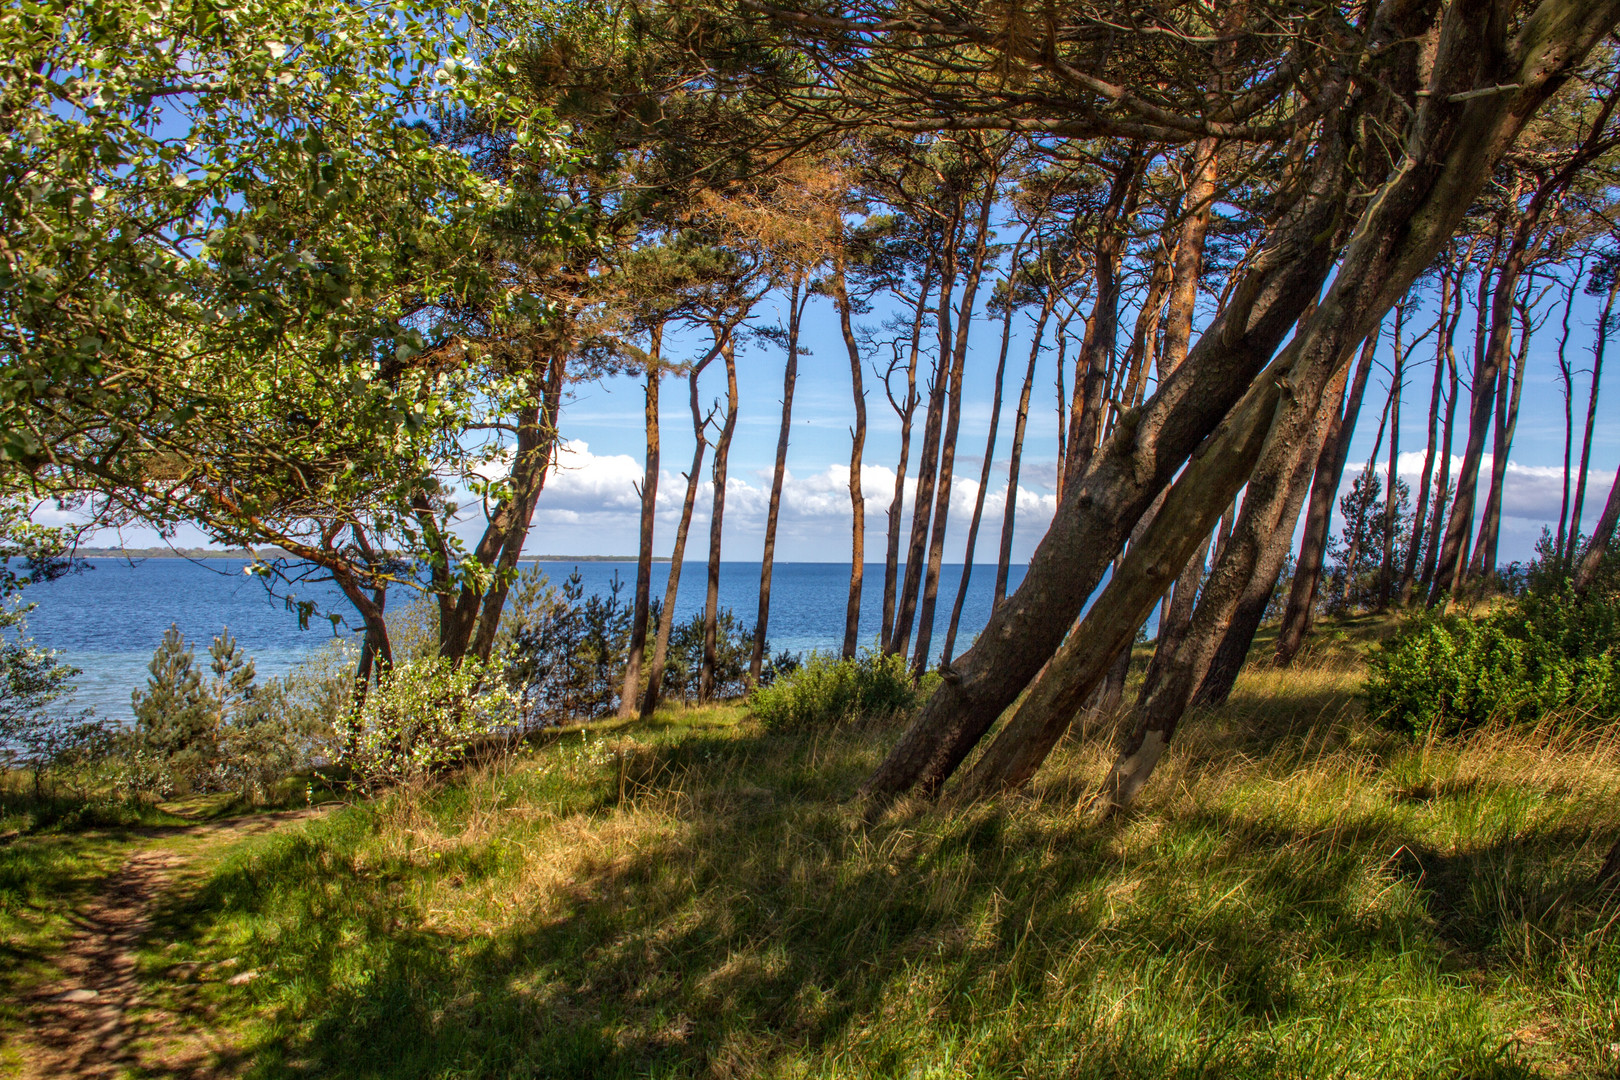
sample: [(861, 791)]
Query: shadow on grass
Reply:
[(761, 927)]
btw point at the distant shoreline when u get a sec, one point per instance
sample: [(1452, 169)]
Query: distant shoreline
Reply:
[(277, 553)]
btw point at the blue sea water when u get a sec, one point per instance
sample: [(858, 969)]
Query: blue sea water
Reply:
[(108, 619)]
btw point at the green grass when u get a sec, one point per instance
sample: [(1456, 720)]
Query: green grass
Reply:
[(1298, 895)]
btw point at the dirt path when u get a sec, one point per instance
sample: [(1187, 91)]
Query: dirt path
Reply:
[(86, 1022)]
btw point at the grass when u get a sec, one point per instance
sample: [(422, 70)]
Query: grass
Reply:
[(1299, 894)]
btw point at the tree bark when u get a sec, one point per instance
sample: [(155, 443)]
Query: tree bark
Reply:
[(1507, 422), (897, 504), (1420, 513), (722, 454), (953, 423), (928, 457), (1301, 609), (1598, 349), (989, 454), (666, 615), (1456, 141), (857, 499), (1009, 512), (798, 296), (630, 692), (1602, 542)]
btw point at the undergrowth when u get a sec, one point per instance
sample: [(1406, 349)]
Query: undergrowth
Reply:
[(1300, 893)]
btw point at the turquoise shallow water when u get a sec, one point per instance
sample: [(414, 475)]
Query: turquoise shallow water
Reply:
[(108, 619)]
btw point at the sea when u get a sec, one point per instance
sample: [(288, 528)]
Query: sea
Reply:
[(107, 619)]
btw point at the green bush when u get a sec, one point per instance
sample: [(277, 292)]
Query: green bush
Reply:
[(824, 690), (1545, 652)]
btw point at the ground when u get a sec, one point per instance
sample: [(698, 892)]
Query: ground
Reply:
[(1299, 894)]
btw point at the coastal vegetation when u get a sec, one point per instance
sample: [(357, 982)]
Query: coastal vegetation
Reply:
[(1254, 772)]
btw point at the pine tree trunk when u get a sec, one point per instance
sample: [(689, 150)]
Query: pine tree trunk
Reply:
[(1426, 481), (953, 423), (1301, 610), (897, 504), (989, 458), (1457, 143), (922, 499), (857, 499), (1015, 458), (717, 517), (767, 560), (666, 614), (1602, 542), (1386, 569), (1567, 377), (1598, 349), (630, 691)]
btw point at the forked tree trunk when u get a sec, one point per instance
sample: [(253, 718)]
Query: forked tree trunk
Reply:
[(1567, 377), (666, 614), (922, 499), (1301, 609), (630, 691), (1457, 138), (953, 423), (717, 517), (797, 298), (1397, 380)]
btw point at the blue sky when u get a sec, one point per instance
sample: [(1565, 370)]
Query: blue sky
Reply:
[(590, 506)]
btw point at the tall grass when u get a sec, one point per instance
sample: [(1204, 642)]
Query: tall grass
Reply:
[(1299, 894)]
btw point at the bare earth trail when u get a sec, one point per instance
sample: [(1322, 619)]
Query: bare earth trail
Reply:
[(91, 1020)]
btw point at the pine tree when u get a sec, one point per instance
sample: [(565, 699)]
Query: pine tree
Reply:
[(176, 720)]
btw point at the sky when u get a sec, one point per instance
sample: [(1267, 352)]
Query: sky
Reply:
[(590, 505)]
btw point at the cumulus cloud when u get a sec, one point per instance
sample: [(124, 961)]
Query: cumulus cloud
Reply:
[(1532, 492), (598, 493)]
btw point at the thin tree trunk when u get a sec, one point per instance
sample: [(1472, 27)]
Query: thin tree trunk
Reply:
[(767, 564), (953, 422), (1507, 422), (989, 455), (630, 692), (1397, 378), (1352, 557), (922, 499), (666, 614), (897, 504), (1420, 513), (1598, 349), (1443, 488), (1301, 609), (857, 499), (1567, 377), (1009, 512), (722, 455)]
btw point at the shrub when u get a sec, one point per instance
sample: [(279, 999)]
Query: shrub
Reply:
[(824, 691), (423, 715), (1546, 651)]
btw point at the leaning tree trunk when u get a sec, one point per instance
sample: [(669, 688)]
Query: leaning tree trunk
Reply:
[(717, 517), (630, 691), (1602, 542), (767, 563), (1456, 140), (1442, 485)]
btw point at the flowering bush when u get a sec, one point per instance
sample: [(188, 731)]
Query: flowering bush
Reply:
[(423, 715)]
